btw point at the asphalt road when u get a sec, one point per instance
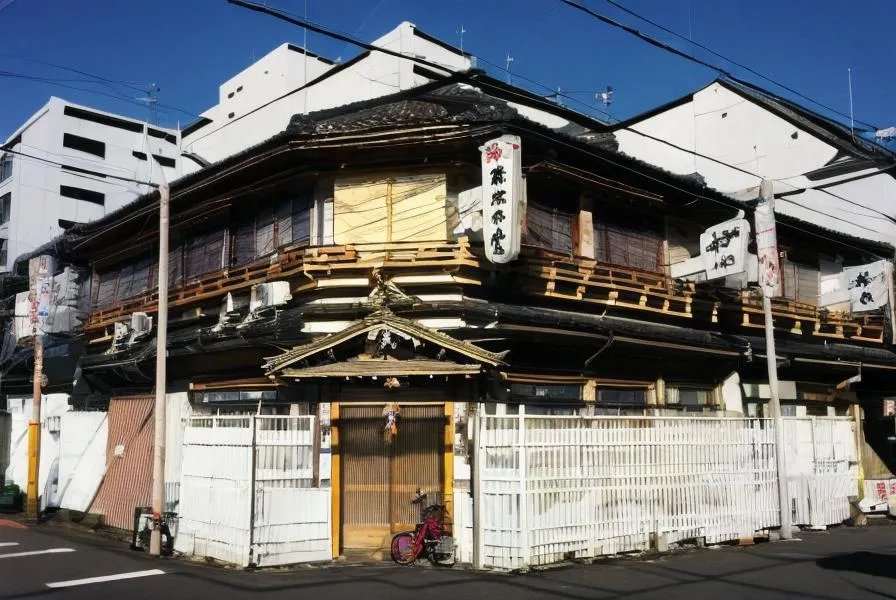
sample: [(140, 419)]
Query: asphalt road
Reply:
[(845, 563)]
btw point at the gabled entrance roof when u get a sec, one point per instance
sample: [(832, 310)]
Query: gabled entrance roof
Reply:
[(383, 319)]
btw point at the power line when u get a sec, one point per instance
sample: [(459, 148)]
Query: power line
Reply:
[(4, 148), (327, 32), (733, 62)]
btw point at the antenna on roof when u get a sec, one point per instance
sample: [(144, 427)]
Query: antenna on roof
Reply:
[(507, 68), (151, 100), (461, 31), (605, 97)]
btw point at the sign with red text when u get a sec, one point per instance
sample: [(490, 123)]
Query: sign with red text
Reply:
[(502, 193)]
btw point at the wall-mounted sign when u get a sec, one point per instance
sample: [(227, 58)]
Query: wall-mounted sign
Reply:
[(502, 192), (867, 285), (767, 242), (724, 248)]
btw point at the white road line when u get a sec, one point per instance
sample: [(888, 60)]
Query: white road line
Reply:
[(88, 580), (36, 552), (5, 544)]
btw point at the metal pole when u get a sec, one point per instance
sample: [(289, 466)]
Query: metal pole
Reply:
[(769, 273), (158, 466), (32, 509)]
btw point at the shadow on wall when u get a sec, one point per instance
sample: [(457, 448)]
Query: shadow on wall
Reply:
[(867, 563), (880, 435)]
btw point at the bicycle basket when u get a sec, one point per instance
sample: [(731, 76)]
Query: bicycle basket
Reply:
[(445, 545)]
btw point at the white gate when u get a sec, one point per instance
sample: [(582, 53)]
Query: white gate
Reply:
[(246, 491), (562, 487), (822, 468)]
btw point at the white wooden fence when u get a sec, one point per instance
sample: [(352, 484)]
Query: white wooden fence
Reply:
[(561, 487), (822, 468), (246, 495)]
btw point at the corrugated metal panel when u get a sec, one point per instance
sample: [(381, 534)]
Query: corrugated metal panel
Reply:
[(128, 480)]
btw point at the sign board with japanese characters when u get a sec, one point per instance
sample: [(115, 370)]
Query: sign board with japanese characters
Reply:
[(867, 285), (40, 275), (502, 193), (724, 248)]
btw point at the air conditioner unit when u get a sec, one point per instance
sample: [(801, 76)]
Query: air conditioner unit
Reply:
[(264, 299), (229, 315), (141, 324), (267, 295), (120, 336)]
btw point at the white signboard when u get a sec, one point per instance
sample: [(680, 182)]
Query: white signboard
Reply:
[(767, 242), (867, 285), (502, 192), (724, 248)]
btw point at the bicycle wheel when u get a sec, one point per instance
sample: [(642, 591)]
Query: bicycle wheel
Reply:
[(402, 550)]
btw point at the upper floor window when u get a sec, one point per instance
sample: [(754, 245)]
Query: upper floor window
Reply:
[(5, 207), (800, 282), (4, 251), (621, 401), (689, 399), (83, 144), (276, 224), (632, 245), (549, 228), (5, 167)]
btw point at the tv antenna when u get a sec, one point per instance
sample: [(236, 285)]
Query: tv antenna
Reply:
[(605, 97), (151, 100)]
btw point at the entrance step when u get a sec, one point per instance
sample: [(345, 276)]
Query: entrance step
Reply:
[(365, 555)]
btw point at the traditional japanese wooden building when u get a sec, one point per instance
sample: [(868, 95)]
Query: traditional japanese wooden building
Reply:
[(340, 269)]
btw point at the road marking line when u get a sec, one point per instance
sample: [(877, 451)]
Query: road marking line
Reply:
[(104, 578), (36, 552), (4, 544)]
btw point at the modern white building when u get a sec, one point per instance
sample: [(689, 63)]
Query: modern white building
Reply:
[(258, 103), (71, 164), (822, 172)]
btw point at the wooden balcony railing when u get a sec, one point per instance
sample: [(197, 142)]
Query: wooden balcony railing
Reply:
[(541, 273)]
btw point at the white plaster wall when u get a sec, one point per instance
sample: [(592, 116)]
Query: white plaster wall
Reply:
[(82, 459), (52, 405), (732, 394), (723, 125), (36, 205), (376, 75)]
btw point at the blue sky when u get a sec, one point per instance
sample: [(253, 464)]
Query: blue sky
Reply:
[(188, 47)]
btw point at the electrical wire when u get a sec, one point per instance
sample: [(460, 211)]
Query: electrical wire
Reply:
[(98, 79), (734, 62), (59, 164)]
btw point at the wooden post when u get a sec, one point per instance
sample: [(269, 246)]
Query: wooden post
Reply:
[(475, 429), (335, 478)]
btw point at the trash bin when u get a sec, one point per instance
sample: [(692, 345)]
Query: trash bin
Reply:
[(12, 500)]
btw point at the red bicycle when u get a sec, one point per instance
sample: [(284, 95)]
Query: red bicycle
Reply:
[(430, 538)]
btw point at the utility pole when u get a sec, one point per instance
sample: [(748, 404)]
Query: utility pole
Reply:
[(769, 281), (40, 278), (159, 416), (32, 509)]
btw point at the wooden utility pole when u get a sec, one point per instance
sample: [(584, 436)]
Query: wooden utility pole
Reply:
[(769, 280), (159, 416)]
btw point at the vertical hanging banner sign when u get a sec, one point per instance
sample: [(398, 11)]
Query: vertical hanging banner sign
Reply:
[(867, 285), (767, 242), (502, 192), (724, 248), (40, 276)]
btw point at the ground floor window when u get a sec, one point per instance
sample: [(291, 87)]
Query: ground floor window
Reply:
[(621, 401), (690, 398)]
